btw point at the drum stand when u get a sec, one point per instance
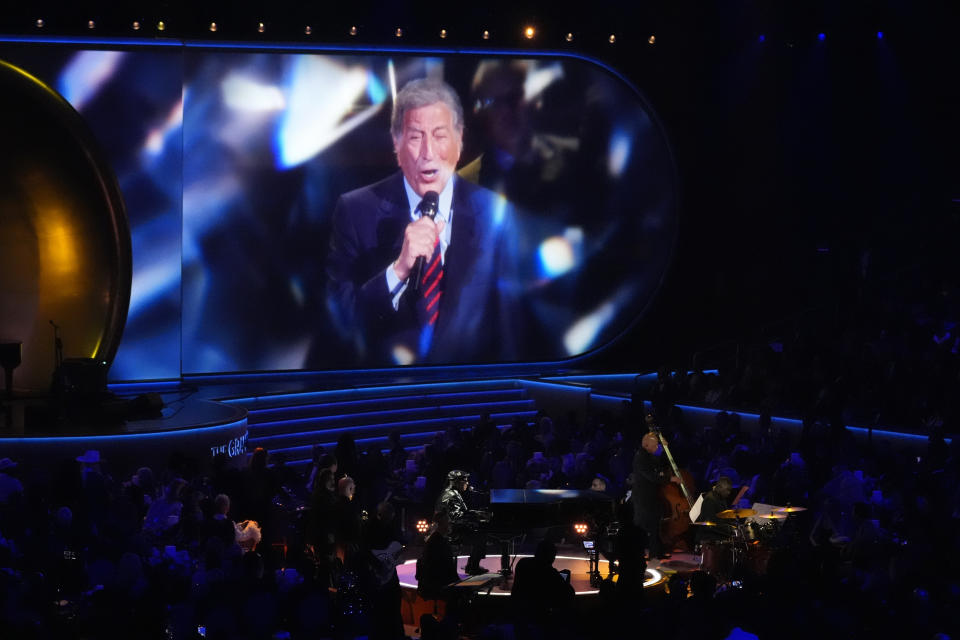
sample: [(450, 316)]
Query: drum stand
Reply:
[(739, 545)]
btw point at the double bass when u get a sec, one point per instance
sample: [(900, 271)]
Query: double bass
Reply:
[(677, 497)]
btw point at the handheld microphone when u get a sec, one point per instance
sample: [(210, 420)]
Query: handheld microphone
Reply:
[(428, 207)]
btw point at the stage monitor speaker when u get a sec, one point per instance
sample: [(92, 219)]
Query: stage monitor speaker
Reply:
[(147, 406), (83, 376)]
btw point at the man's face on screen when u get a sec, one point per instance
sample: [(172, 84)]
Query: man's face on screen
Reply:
[(428, 148)]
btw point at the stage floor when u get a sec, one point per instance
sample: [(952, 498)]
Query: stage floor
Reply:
[(413, 606), (190, 426), (578, 567)]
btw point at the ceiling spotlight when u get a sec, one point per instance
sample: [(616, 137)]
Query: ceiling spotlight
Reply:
[(443, 33), (529, 32), (580, 529), (821, 36), (486, 34), (136, 25), (91, 24), (652, 39), (612, 38), (213, 26), (39, 23), (353, 31), (161, 26), (261, 27), (307, 30), (569, 37), (399, 32), (422, 526)]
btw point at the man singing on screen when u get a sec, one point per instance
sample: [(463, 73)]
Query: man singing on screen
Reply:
[(463, 309)]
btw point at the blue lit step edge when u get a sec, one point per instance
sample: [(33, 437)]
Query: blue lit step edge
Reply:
[(356, 406), (432, 425), (368, 417), (359, 393), (303, 454)]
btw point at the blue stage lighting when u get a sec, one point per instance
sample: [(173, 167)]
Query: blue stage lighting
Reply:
[(761, 38), (879, 35), (821, 36)]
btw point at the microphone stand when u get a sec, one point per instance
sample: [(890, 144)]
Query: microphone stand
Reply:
[(57, 385), (57, 346)]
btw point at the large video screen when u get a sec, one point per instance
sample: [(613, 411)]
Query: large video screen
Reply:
[(296, 205), (299, 196)]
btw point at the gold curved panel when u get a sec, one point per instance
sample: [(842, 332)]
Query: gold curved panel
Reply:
[(65, 243)]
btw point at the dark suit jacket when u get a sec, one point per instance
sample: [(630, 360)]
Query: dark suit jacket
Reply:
[(478, 312), (649, 474)]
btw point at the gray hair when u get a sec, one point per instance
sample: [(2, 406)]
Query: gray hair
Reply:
[(423, 92)]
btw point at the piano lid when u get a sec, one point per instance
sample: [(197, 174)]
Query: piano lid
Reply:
[(545, 496)]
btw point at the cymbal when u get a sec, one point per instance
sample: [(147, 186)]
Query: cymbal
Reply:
[(705, 523), (773, 516), (731, 514), (789, 509)]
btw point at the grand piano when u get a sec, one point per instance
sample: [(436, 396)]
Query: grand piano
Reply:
[(514, 513), (537, 508)]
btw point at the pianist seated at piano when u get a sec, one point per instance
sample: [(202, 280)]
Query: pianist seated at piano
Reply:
[(465, 522)]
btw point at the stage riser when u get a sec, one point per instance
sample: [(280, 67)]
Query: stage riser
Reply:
[(289, 426), (383, 393), (427, 427), (411, 442), (314, 410), (399, 416)]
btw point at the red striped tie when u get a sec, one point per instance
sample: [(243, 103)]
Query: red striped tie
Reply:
[(430, 285)]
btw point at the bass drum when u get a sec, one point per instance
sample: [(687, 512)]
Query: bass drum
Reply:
[(717, 558), (756, 558)]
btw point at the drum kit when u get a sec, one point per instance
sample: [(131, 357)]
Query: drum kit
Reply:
[(747, 551)]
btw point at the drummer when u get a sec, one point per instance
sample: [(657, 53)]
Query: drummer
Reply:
[(715, 501)]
